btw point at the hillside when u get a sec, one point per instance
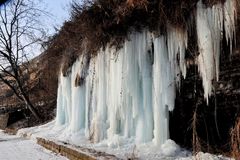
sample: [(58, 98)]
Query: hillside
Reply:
[(42, 81)]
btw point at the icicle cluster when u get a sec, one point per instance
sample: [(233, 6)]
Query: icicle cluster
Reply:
[(129, 93), (210, 23)]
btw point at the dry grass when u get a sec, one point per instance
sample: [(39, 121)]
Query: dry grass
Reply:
[(95, 24), (235, 140)]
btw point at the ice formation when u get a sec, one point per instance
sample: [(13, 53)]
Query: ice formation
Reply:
[(128, 93), (210, 23)]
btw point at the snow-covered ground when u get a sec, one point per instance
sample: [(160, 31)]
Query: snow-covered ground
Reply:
[(17, 148), (124, 149)]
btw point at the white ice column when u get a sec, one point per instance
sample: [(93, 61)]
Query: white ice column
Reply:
[(161, 83)]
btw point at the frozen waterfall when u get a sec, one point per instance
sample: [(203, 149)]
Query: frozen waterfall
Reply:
[(128, 93)]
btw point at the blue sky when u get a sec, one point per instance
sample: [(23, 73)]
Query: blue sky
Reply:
[(59, 10)]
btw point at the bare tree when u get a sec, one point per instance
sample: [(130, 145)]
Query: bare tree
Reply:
[(19, 28)]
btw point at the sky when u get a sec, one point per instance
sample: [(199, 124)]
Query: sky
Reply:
[(59, 12), (58, 9)]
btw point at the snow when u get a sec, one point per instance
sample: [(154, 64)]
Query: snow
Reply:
[(170, 148), (123, 148), (15, 147)]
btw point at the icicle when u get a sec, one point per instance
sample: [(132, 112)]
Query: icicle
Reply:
[(216, 21), (177, 44), (163, 90), (64, 101), (145, 118), (60, 118), (78, 95), (230, 13), (100, 115), (114, 87), (89, 98), (209, 24), (128, 93)]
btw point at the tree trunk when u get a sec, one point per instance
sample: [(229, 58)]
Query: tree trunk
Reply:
[(30, 106)]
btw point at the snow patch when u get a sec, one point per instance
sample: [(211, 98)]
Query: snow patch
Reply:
[(16, 147), (170, 148), (123, 148)]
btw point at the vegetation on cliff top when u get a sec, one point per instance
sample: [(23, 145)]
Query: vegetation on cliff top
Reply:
[(94, 24)]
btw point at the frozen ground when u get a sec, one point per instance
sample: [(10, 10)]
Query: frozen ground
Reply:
[(17, 148), (120, 147)]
